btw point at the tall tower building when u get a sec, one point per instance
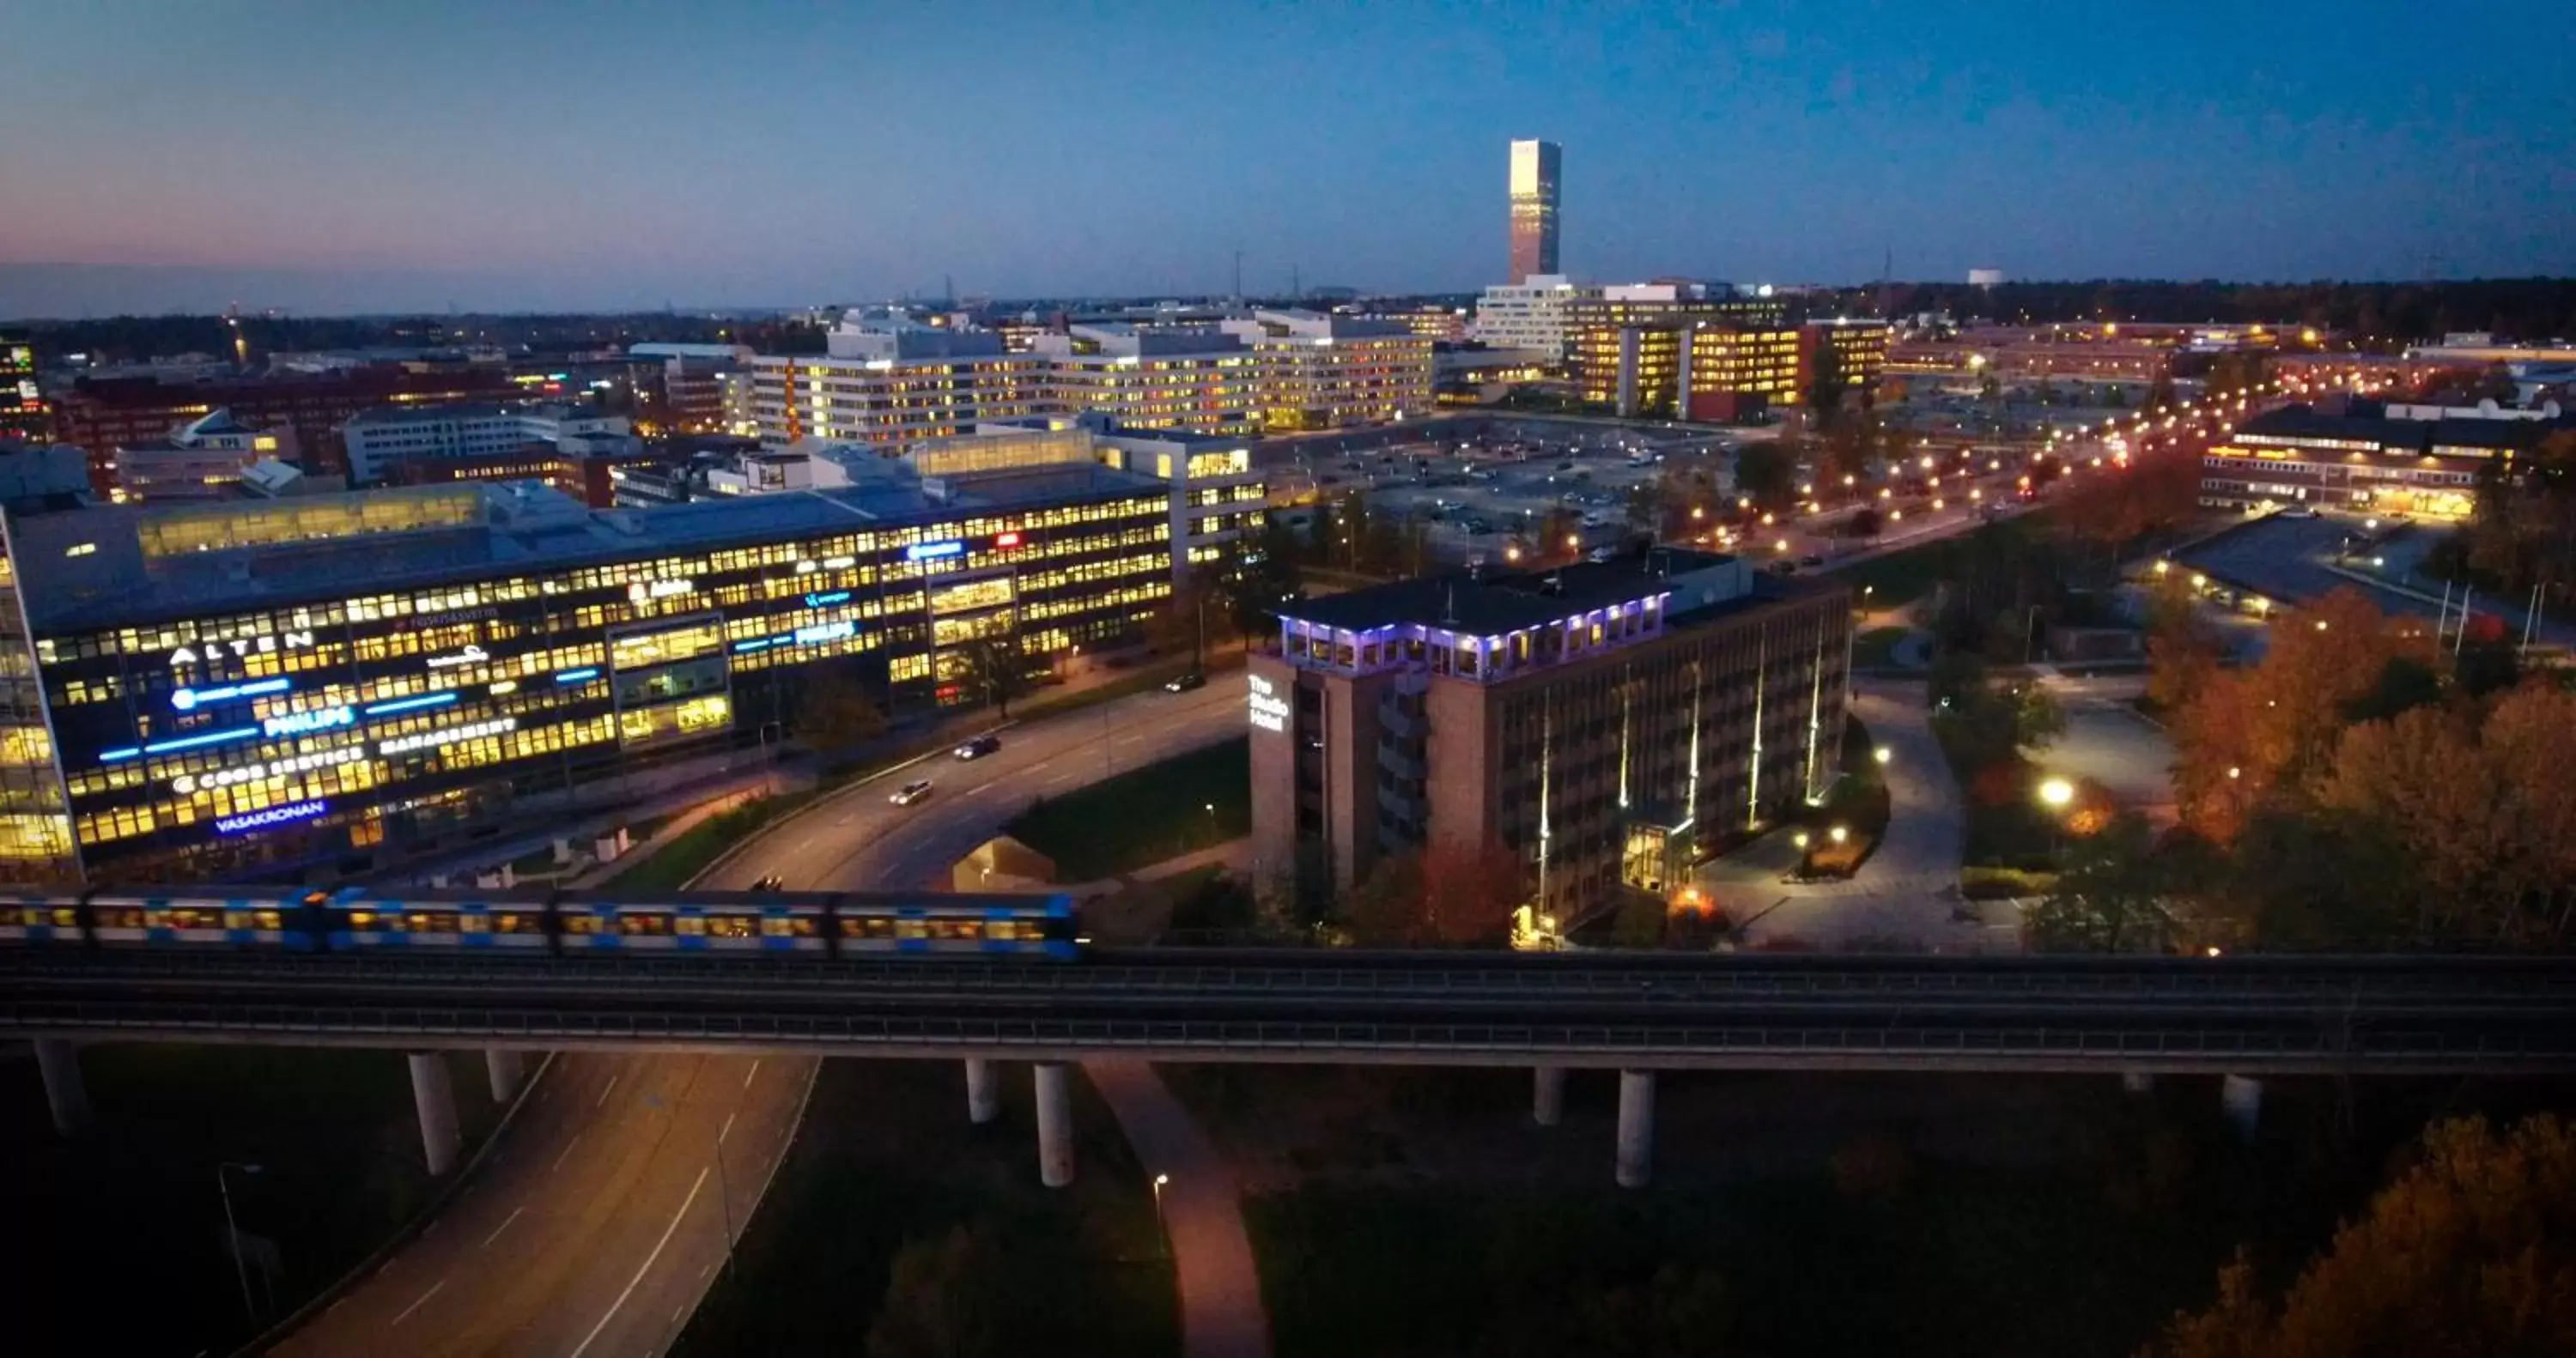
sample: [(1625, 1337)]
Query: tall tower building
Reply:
[(1534, 165)]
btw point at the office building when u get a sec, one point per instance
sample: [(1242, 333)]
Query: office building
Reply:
[(1534, 208), (893, 383), (2366, 462), (1598, 721), (206, 458), (100, 413), (379, 441), (312, 684), (22, 401), (694, 385), (1720, 371), (1530, 314)]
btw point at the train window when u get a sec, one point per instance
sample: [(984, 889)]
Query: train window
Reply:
[(362, 919), (786, 926), (961, 930), (1013, 931), (250, 919), (431, 921), (120, 917), (690, 924), (733, 926), (512, 922), (912, 928), (638, 922), (868, 926), (580, 922), (65, 917), (183, 917)]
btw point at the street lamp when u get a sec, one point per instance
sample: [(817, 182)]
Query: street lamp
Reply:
[(1882, 754), (2056, 793), (232, 1233), (1163, 1227), (1839, 834)]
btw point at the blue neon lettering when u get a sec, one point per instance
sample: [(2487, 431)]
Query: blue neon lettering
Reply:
[(932, 551), (829, 631), (188, 699), (579, 676), (119, 756), (755, 644), (275, 815), (298, 723), (838, 596), (410, 704)]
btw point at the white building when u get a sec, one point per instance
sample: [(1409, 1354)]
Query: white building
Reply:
[(202, 459), (378, 439), (1531, 314)]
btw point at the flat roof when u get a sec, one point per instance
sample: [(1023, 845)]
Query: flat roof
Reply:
[(1494, 603), (102, 567)]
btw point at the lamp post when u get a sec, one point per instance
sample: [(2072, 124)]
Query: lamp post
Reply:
[(1162, 1227), (1806, 861), (2057, 794), (232, 1233)]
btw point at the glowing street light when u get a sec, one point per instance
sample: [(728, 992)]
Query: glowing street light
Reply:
[(1839, 834), (1882, 754), (2056, 793)]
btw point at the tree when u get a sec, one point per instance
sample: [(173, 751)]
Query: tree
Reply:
[(2110, 895), (1440, 894), (996, 669), (2038, 720), (2471, 1251), (1825, 383), (835, 712), (1864, 523), (945, 1299), (1766, 473)]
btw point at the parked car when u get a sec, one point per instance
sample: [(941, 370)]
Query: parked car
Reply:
[(910, 793), (979, 747)]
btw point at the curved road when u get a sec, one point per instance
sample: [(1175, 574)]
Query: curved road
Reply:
[(600, 1219)]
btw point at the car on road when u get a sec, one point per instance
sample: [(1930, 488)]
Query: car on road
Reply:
[(910, 792), (979, 747), (772, 882), (1184, 683)]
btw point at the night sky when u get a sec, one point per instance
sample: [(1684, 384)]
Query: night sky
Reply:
[(335, 157)]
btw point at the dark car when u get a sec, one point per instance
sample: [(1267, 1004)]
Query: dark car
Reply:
[(772, 882), (979, 747), (1186, 682)]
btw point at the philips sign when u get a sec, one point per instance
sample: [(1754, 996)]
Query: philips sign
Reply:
[(303, 723)]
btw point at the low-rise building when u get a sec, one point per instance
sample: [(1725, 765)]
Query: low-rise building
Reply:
[(203, 459), (2364, 461), (1599, 722), (378, 441), (1531, 314)]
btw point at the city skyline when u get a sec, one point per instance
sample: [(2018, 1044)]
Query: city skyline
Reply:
[(628, 165)]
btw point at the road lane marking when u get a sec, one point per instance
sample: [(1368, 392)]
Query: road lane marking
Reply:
[(505, 1225), (728, 1129), (566, 1152), (604, 1092), (1059, 780), (645, 1267), (755, 1070), (425, 1296)]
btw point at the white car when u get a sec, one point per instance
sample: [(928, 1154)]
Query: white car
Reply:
[(910, 793)]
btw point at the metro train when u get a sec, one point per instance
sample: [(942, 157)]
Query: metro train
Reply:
[(545, 922)]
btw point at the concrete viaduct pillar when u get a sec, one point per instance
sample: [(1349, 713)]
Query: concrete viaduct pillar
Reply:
[(1055, 1126), (1636, 1161), (2242, 1098), (58, 1061), (505, 1069), (1547, 1099), (2137, 1082), (983, 1096), (433, 1093)]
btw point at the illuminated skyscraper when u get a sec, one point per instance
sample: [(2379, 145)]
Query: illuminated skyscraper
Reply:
[(1534, 166)]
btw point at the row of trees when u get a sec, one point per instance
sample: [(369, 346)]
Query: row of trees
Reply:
[(2381, 315), (2524, 534)]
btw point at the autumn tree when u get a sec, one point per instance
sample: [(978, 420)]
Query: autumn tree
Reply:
[(1766, 473), (2471, 1251), (836, 712), (2111, 893), (1440, 894), (944, 1300)]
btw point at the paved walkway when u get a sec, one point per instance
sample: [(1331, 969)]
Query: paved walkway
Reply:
[(1221, 1310)]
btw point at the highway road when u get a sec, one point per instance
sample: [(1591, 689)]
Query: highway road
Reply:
[(601, 1217)]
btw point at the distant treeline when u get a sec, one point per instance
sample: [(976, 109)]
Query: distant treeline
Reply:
[(2375, 315), (127, 339)]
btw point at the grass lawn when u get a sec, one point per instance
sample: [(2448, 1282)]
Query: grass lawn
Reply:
[(1145, 815), (114, 1241), (886, 1157), (677, 863), (1875, 648)]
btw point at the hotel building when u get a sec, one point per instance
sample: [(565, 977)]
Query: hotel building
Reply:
[(1598, 721), (316, 684), (1719, 371)]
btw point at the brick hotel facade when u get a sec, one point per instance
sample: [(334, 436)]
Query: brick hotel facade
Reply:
[(1598, 721)]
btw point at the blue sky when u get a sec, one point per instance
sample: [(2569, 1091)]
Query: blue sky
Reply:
[(336, 156)]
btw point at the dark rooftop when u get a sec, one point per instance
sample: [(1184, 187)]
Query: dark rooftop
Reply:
[(1493, 603)]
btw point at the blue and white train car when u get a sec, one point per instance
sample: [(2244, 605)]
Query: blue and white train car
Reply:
[(451, 917), (964, 924), (705, 921), (267, 917), (41, 917)]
